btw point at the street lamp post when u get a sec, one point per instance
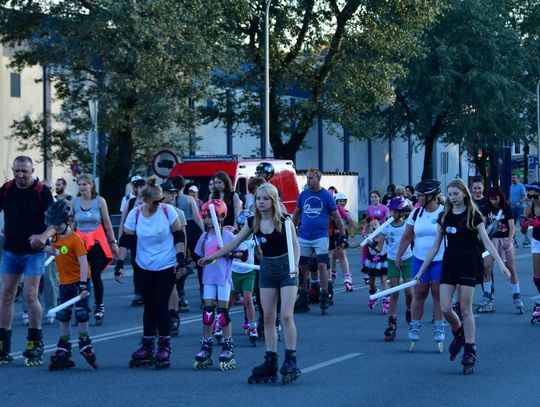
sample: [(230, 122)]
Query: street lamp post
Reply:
[(93, 107), (266, 143)]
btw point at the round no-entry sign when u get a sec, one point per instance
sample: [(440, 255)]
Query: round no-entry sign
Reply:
[(163, 162)]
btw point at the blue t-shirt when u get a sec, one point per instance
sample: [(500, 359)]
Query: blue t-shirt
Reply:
[(516, 193), (316, 209)]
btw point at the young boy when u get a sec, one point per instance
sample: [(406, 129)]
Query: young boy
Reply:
[(73, 269)]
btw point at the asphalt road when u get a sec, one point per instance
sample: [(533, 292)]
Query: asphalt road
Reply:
[(344, 359)]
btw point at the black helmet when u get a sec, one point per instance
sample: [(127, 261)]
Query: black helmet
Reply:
[(428, 187), (265, 168), (58, 213), (168, 186)]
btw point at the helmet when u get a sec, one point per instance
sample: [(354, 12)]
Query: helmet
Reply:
[(340, 196), (428, 187), (219, 205), (58, 213), (138, 181), (168, 186), (243, 216), (265, 168), (398, 204)]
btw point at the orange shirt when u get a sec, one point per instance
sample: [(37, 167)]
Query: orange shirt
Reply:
[(69, 249)]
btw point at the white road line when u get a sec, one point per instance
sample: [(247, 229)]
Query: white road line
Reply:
[(536, 297), (330, 362)]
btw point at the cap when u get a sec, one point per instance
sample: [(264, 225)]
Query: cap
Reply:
[(193, 188), (167, 186), (136, 178)]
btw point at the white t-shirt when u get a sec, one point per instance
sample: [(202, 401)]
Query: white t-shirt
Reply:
[(155, 245), (393, 235), (425, 230)]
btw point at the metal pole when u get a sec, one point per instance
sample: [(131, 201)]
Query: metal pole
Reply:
[(538, 129), (93, 107), (266, 144)]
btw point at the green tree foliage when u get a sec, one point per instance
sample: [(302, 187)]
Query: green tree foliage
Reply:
[(140, 59), (470, 87), (342, 55)]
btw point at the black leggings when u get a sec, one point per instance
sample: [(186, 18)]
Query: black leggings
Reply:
[(97, 261), (156, 291)]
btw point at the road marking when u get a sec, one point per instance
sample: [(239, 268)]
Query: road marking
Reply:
[(536, 297), (330, 362)]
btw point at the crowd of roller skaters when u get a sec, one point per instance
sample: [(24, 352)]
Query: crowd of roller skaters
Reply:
[(239, 249)]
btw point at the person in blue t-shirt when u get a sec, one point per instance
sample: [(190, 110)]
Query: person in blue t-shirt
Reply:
[(314, 208), (518, 196)]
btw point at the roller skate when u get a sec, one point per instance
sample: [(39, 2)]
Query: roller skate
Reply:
[(278, 327), (174, 321), (143, 356), (218, 332), (301, 305), (289, 370), (323, 302), (371, 303), (438, 334), (61, 358), (518, 303), (468, 359), (203, 359), (414, 333), (183, 304), (314, 292), (526, 243), (385, 304), (260, 328), (24, 319), (33, 354), (226, 356), (267, 371), (535, 317), (253, 334), (457, 342), (5, 346), (245, 325), (457, 309), (347, 280), (390, 331), (137, 300), (330, 292), (162, 358), (87, 351), (333, 275), (99, 313), (487, 304)]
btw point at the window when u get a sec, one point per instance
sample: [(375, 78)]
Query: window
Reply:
[(15, 79)]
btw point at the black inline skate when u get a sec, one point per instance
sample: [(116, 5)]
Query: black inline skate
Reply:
[(5, 346), (162, 358), (33, 354), (535, 317), (253, 334), (486, 306), (203, 359), (301, 305), (457, 342), (468, 359), (314, 292), (99, 313), (330, 292), (267, 371), (87, 351), (144, 355), (174, 320), (390, 331), (226, 356), (61, 358), (323, 301), (289, 370), (183, 304)]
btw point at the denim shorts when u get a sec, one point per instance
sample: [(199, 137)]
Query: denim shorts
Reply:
[(31, 264), (274, 273)]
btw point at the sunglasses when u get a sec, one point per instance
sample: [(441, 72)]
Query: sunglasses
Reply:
[(532, 196)]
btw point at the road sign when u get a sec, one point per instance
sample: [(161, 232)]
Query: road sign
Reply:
[(163, 162)]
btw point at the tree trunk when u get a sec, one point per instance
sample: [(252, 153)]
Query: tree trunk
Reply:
[(429, 144)]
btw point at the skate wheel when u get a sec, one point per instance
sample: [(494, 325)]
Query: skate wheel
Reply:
[(289, 378)]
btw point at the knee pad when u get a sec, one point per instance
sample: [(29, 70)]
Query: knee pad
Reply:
[(323, 258), (304, 260), (537, 283), (208, 315), (64, 315), (82, 315), (223, 317)]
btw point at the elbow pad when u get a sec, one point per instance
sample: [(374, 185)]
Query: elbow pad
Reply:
[(127, 241), (178, 237)]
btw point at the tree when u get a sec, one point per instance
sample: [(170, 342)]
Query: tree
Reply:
[(140, 59), (469, 88), (343, 56)]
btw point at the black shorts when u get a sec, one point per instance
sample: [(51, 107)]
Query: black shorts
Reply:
[(463, 267)]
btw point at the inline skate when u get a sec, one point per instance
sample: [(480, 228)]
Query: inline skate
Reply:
[(226, 356), (5, 346), (99, 314), (457, 343), (183, 304), (333, 275), (174, 321), (390, 331), (33, 354), (438, 334), (330, 292), (385, 304), (289, 370), (253, 334), (518, 303), (323, 301), (61, 358), (314, 292), (347, 280), (267, 371), (371, 303), (143, 356), (162, 358), (302, 304), (535, 317), (203, 359), (468, 359), (87, 351), (414, 333), (487, 304)]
